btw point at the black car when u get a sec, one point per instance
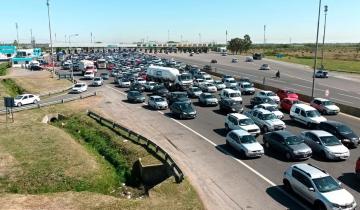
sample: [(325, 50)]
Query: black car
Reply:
[(207, 68), (288, 144), (135, 96), (36, 68), (341, 131), (230, 106), (259, 100), (183, 110), (160, 90), (178, 96), (137, 87), (213, 61)]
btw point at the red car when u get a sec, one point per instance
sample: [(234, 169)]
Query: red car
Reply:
[(357, 168), (286, 94), (286, 103)]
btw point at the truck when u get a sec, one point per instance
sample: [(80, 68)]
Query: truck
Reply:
[(85, 65), (180, 81)]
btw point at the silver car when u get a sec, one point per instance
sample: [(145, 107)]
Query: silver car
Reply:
[(325, 144), (157, 102), (208, 99), (97, 81)]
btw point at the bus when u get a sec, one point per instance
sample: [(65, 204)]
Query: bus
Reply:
[(101, 63)]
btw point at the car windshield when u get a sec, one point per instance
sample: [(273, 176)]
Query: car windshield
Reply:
[(20, 97), (247, 86), (312, 113), (97, 79), (181, 95), (232, 81), (209, 85), (209, 96), (270, 116), (326, 184), (185, 77), (234, 95), (244, 122), (136, 93), (271, 94), (344, 129), (196, 89), (159, 99), (268, 100), (330, 140), (218, 82), (125, 80), (293, 140), (186, 107), (247, 139), (234, 103), (327, 103)]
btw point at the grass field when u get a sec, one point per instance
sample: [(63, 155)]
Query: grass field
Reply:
[(4, 68)]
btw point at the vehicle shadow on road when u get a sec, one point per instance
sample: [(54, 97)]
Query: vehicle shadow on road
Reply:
[(351, 180), (277, 156), (278, 193), (147, 107), (218, 111), (290, 122), (220, 131)]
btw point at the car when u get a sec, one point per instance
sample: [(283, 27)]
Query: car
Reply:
[(105, 76), (208, 87), (207, 68), (321, 74), (317, 187), (268, 94), (219, 85), (246, 88), (191, 54), (357, 168), (198, 82), (114, 73), (157, 102), (287, 144), (249, 59), (260, 100), (230, 94), (194, 92), (140, 80), (264, 67), (230, 106), (225, 76), (236, 121), (266, 120), (97, 81), (244, 143), (199, 75), (284, 93), (213, 61), (160, 90), (234, 60), (286, 104), (325, 106), (230, 82), (183, 110), (178, 96), (25, 99), (306, 115), (135, 97), (124, 82), (149, 86), (207, 78), (137, 87), (245, 79), (36, 68), (89, 74), (272, 108), (325, 145), (208, 99), (341, 131)]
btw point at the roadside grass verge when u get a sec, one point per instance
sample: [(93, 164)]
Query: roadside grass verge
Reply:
[(4, 68), (330, 64), (41, 84), (11, 88)]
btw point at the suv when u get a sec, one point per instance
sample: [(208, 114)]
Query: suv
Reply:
[(306, 115), (246, 88), (317, 187), (266, 120), (287, 144), (341, 131), (236, 121)]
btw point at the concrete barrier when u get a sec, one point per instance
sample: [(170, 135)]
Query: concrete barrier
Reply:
[(151, 175)]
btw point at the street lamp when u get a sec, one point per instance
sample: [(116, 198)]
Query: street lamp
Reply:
[(316, 49), (323, 44), (72, 69), (51, 43)]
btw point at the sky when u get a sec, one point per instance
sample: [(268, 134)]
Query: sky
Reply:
[(115, 21)]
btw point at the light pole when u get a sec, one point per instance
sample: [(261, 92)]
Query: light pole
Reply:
[(316, 49), (72, 69), (51, 43), (17, 35), (264, 35), (323, 44)]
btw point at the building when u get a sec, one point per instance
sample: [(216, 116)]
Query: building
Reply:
[(24, 56), (7, 52)]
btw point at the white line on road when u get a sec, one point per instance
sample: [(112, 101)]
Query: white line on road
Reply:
[(116, 90), (335, 99), (349, 96)]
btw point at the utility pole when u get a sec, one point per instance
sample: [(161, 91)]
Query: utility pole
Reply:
[(51, 43), (17, 34), (199, 38), (55, 37), (264, 35), (91, 37), (323, 41), (168, 36), (226, 37), (31, 37), (316, 49), (181, 38)]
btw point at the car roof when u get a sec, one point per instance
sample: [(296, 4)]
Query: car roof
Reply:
[(155, 97), (312, 171), (238, 116), (240, 132), (304, 106), (321, 99), (291, 99), (266, 91), (334, 123), (284, 133), (319, 133), (267, 105), (263, 111), (206, 94), (229, 90)]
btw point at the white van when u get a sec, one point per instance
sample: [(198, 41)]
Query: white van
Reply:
[(306, 115)]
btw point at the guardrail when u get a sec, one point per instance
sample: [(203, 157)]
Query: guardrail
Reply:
[(39, 105), (139, 139), (354, 111)]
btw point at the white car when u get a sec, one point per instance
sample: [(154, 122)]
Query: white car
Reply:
[(244, 143), (268, 94), (123, 83), (265, 67), (79, 87), (207, 78), (272, 108), (26, 99), (89, 74), (249, 59), (266, 120), (325, 106), (149, 86), (198, 82), (231, 94), (236, 121), (97, 81), (317, 187), (208, 87), (230, 82), (325, 145), (157, 102), (140, 80), (246, 88), (219, 84)]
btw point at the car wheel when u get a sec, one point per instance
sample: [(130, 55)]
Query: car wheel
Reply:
[(288, 156), (181, 116), (265, 129), (319, 205), (35, 101), (287, 185), (19, 104), (227, 143), (323, 155), (227, 127), (267, 145), (309, 125)]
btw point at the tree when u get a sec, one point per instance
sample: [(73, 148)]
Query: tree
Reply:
[(15, 43), (240, 45)]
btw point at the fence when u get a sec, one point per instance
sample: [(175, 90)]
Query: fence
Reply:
[(39, 105), (141, 140)]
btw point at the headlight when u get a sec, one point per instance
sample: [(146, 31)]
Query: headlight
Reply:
[(336, 206), (296, 152), (346, 140)]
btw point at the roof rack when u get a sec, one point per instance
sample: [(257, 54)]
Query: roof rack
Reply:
[(302, 171), (317, 168)]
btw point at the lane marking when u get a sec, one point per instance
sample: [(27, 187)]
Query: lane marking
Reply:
[(335, 99), (349, 96), (116, 90)]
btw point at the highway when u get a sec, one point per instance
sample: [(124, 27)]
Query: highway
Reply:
[(343, 88)]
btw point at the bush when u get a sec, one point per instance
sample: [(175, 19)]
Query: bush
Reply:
[(3, 68), (12, 88)]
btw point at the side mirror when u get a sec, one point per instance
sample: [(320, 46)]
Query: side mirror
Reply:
[(339, 183), (311, 189)]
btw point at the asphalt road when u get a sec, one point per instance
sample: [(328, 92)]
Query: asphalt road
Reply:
[(343, 88)]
